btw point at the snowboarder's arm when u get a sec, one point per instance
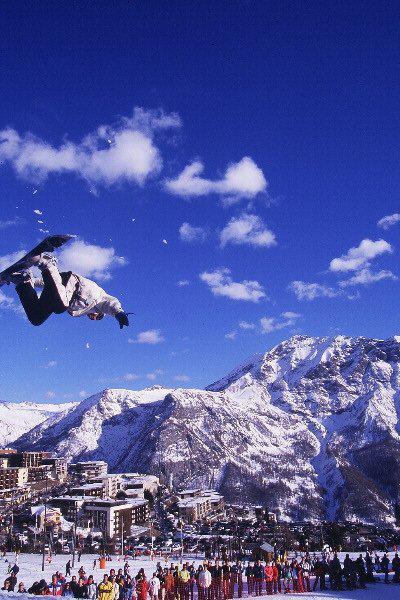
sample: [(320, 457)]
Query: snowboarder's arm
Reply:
[(109, 305)]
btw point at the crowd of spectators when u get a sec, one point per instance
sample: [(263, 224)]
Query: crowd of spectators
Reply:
[(216, 580)]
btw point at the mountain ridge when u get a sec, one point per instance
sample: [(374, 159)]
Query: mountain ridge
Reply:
[(299, 428)]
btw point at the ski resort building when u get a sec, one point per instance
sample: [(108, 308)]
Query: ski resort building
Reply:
[(114, 517), (194, 509), (140, 482), (14, 496), (103, 514), (89, 469), (94, 490), (109, 484), (40, 465), (70, 506), (195, 505), (23, 459), (13, 477), (58, 466)]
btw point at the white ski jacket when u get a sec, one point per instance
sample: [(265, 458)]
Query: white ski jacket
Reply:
[(88, 297), (204, 579), (154, 585)]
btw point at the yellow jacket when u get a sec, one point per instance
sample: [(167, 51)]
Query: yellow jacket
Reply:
[(106, 591), (184, 576)]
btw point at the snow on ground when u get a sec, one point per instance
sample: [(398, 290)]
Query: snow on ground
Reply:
[(30, 571)]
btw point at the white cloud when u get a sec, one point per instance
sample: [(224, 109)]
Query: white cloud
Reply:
[(8, 303), (269, 324), (183, 283), (389, 221), (360, 257), (8, 259), (365, 277), (246, 325), (221, 284), (124, 152), (89, 260), (291, 315), (190, 234), (130, 377), (9, 223), (51, 364), (182, 378), (50, 395), (243, 179), (231, 335), (311, 291), (83, 394), (152, 376), (151, 336), (247, 229)]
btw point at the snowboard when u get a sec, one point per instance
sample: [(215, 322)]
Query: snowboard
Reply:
[(49, 244)]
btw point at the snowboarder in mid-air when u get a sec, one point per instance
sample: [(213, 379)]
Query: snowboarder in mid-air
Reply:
[(62, 291)]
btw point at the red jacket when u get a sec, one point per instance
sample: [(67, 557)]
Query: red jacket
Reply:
[(269, 573)]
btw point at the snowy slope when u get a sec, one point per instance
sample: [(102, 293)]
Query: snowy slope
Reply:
[(18, 418), (310, 429)]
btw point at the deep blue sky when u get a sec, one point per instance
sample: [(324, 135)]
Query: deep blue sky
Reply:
[(309, 91)]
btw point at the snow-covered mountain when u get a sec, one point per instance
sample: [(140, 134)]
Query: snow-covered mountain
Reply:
[(310, 429), (16, 418)]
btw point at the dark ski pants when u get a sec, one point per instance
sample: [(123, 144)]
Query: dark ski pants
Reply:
[(250, 585), (277, 586), (307, 586), (55, 297), (322, 584), (203, 593), (184, 591), (269, 587), (258, 587)]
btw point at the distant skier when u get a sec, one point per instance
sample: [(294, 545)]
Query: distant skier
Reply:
[(62, 292)]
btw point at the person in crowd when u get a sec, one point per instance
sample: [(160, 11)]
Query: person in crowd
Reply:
[(361, 574), (141, 585), (203, 582), (295, 576), (169, 583), (90, 589), (21, 588), (369, 566), (335, 573), (56, 586), (287, 577), (154, 587), (239, 577), (192, 580), (249, 574), (306, 566), (385, 567), (269, 578), (319, 572), (396, 568), (128, 589), (105, 589), (67, 592), (258, 578), (68, 569), (184, 578)]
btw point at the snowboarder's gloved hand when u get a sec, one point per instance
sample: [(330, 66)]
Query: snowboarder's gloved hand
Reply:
[(122, 319)]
